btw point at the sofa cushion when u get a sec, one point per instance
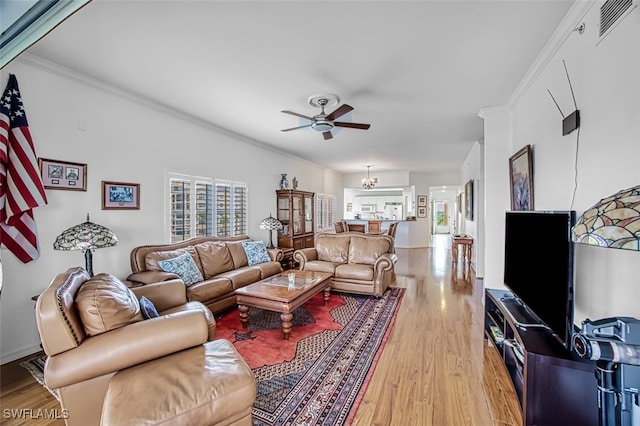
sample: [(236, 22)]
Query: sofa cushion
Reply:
[(184, 267), (354, 271), (256, 252), (148, 309), (242, 277), (151, 259), (268, 268), (367, 250), (333, 249), (106, 303), (214, 258), (321, 266), (210, 289)]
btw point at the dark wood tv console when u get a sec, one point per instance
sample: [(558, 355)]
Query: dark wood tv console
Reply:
[(554, 385)]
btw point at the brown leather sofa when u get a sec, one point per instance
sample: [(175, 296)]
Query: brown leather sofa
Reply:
[(359, 263), (109, 365), (222, 262)]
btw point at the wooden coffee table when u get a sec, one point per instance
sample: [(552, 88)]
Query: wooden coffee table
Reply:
[(273, 294)]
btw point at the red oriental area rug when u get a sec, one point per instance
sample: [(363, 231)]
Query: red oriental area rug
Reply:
[(319, 375)]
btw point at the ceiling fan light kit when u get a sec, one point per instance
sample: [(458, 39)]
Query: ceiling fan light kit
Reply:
[(324, 122)]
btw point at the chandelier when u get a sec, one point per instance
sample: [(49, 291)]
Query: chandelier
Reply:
[(369, 182)]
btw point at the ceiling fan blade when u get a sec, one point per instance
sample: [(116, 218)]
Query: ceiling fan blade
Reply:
[(327, 135), (351, 125), (297, 115), (295, 128), (342, 110)]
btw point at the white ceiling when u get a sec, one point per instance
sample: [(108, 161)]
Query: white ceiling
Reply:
[(417, 71)]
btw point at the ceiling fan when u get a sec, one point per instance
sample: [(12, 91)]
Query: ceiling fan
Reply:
[(324, 122)]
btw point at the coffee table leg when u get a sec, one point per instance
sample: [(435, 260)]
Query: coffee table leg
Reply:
[(286, 324), (244, 315), (327, 293)]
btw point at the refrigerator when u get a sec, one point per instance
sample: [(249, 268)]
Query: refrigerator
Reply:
[(393, 211)]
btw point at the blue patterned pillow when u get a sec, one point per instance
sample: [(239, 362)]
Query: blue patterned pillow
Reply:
[(148, 309), (184, 267), (256, 252)]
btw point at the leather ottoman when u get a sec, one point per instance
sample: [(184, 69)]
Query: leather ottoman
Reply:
[(206, 385)]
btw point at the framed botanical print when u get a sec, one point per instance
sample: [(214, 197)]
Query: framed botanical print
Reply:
[(521, 179), (422, 201)]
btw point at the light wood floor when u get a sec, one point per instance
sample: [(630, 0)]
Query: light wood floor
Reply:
[(435, 369)]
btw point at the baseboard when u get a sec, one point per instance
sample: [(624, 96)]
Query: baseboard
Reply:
[(19, 353)]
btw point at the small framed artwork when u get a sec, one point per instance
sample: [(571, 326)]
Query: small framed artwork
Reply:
[(422, 211), (521, 179), (120, 196), (422, 201), (468, 200), (58, 174)]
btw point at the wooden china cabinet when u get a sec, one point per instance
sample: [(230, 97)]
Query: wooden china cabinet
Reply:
[(296, 213)]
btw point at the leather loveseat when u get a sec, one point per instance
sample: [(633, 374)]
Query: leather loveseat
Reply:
[(109, 365), (359, 263), (222, 263)]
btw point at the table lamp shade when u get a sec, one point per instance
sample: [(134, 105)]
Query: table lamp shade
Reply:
[(86, 236), (271, 224), (612, 222)]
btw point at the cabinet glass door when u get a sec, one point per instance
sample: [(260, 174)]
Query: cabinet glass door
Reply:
[(308, 214), (284, 214), (296, 215)]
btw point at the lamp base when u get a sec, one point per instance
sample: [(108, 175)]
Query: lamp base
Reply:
[(271, 246), (88, 261)]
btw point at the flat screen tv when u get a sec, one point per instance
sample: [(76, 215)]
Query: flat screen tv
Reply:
[(538, 266)]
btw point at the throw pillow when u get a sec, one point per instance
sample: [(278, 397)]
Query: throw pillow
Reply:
[(148, 309), (256, 252), (184, 267)]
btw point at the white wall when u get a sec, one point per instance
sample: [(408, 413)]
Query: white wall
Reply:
[(472, 170), (607, 90), (125, 140)]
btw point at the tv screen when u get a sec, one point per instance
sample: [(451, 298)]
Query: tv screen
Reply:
[(538, 266)]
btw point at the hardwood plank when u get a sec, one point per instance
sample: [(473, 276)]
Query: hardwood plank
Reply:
[(436, 368)]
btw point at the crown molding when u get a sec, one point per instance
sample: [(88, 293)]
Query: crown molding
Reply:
[(66, 73), (567, 26)]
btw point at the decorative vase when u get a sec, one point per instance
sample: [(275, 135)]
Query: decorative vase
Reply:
[(284, 184), (294, 182)]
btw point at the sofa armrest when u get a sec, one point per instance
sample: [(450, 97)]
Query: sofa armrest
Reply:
[(276, 254), (163, 294), (127, 346), (385, 263), (150, 277), (305, 255)]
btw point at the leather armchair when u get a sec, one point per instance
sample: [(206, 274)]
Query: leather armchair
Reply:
[(82, 364)]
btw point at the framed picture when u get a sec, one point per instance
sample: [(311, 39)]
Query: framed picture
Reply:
[(521, 179), (468, 200), (120, 196), (422, 201), (57, 174), (422, 211)]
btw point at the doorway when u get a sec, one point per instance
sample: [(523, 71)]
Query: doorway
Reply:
[(441, 217)]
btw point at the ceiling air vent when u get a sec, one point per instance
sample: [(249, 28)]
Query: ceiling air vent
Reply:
[(612, 12)]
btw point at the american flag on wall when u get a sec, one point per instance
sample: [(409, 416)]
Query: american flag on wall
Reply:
[(21, 187)]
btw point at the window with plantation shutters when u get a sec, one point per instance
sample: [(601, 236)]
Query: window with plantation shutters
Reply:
[(326, 212), (201, 207), (230, 208)]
